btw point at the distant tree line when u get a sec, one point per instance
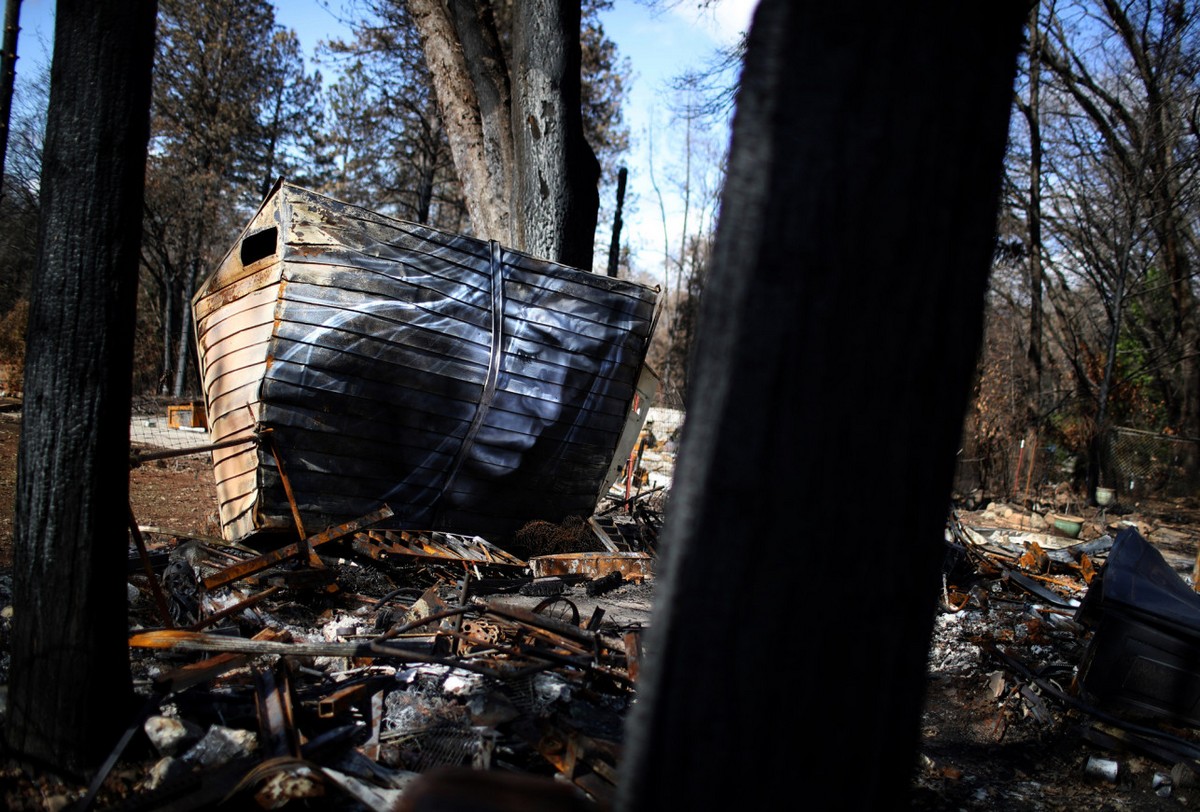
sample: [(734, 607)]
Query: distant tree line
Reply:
[(1092, 317)]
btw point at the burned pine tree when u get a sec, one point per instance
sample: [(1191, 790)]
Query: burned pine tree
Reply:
[(514, 122), (852, 257), (70, 692)]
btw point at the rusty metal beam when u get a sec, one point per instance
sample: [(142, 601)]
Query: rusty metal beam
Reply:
[(633, 653), (449, 548), (262, 562), (632, 566), (183, 678), (155, 587), (136, 459), (273, 702), (340, 701), (291, 497)]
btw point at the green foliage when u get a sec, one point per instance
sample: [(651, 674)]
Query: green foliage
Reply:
[(233, 109), (384, 146)]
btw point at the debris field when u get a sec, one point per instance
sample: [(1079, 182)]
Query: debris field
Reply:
[(358, 666)]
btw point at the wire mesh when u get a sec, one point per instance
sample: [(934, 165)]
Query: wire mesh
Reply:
[(1143, 463), (169, 426), (172, 487)]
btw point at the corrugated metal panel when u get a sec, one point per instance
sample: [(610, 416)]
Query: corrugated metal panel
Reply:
[(235, 319), (469, 387)]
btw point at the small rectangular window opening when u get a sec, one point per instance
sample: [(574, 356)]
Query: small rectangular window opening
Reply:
[(259, 245)]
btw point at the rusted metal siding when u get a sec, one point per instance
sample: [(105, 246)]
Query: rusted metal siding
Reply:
[(470, 387)]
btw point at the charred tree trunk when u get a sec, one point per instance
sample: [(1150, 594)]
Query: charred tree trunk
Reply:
[(614, 248), (475, 132), (273, 134), (859, 207), (70, 690), (170, 320), (183, 341), (557, 174), (8, 75)]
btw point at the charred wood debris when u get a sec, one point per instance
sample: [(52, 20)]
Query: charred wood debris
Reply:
[(334, 670), (359, 667)]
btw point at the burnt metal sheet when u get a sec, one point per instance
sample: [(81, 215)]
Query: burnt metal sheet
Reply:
[(438, 547), (270, 559), (471, 387), (1142, 656), (631, 566)]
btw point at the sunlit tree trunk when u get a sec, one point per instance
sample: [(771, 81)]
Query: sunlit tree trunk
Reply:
[(516, 130), (475, 132), (557, 173)]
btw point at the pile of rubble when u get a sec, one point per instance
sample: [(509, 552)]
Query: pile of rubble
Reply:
[(345, 666), (1061, 671)]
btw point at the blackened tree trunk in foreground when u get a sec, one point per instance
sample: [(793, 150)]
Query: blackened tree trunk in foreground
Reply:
[(788, 650), (70, 687)]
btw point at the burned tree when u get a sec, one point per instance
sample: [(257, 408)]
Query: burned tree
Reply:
[(860, 204), (70, 688), (515, 123)]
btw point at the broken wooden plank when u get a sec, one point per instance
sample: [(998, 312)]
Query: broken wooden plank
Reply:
[(209, 669), (202, 641)]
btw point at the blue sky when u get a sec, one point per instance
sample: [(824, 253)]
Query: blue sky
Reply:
[(660, 43)]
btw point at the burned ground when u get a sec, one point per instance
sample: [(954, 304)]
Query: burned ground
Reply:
[(994, 734)]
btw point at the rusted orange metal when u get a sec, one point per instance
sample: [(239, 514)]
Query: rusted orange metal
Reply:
[(1086, 568), (1034, 559), (209, 669), (262, 562), (380, 544), (633, 653), (637, 567)]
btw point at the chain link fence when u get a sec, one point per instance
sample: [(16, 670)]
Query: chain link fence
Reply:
[(1135, 463), (168, 427), (1142, 463)]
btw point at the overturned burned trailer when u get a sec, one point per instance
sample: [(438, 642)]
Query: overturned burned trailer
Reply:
[(368, 361)]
